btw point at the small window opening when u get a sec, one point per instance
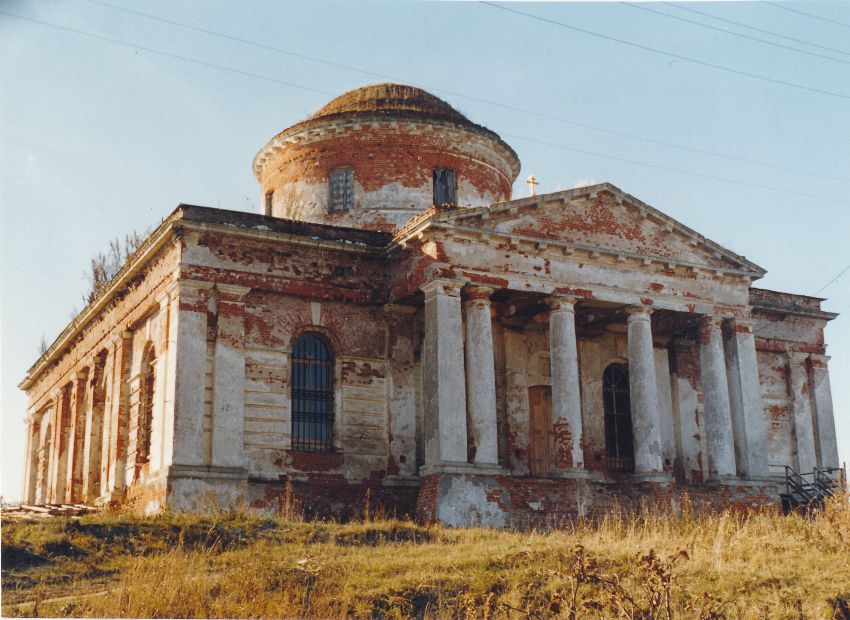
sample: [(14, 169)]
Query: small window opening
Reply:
[(267, 210), (444, 187), (342, 189), (312, 395)]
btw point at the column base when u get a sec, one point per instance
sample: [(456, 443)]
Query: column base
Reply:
[(653, 476), (469, 469), (401, 481), (574, 473)]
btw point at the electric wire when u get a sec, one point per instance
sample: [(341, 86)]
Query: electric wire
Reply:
[(682, 7), (799, 12), (676, 170), (168, 54), (841, 273), (730, 33), (471, 97), (654, 50), (308, 88)]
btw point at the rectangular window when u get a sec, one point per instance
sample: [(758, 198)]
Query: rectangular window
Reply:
[(267, 210), (342, 189), (444, 187)]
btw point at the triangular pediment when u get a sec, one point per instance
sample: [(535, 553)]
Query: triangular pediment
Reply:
[(600, 218)]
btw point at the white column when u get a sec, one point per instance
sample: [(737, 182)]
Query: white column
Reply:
[(643, 392), (803, 428), (746, 407), (566, 394), (715, 393), (822, 399), (481, 375), (228, 399), (443, 377)]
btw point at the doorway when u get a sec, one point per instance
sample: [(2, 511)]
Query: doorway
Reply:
[(540, 430)]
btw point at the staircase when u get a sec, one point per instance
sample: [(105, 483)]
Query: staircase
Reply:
[(808, 492)]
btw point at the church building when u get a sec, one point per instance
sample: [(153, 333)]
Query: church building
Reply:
[(395, 327)]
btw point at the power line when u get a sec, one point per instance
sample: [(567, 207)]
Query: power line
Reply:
[(798, 12), (682, 7), (654, 50), (471, 97), (301, 86), (168, 54), (734, 34), (841, 273), (676, 170)]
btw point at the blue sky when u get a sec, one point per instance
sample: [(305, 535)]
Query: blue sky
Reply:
[(97, 138)]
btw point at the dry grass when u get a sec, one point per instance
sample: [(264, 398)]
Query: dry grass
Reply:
[(676, 565)]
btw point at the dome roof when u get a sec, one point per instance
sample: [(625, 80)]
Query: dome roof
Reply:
[(390, 99)]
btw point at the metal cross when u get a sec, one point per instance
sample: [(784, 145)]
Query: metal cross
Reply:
[(532, 182)]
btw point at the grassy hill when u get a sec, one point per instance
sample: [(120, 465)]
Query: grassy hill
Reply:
[(677, 565)]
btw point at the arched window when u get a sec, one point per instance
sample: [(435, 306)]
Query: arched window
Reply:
[(312, 395), (619, 444), (146, 396)]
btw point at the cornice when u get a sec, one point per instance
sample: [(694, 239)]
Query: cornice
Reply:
[(131, 268), (315, 130)]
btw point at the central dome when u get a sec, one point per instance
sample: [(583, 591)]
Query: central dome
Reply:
[(390, 99), (379, 155)]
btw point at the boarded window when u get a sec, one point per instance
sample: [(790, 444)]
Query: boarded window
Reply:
[(312, 395), (619, 445), (146, 399), (267, 210), (342, 189), (444, 187)]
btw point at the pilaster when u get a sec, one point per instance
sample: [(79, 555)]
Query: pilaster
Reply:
[(119, 429), (803, 427), (190, 351), (228, 399), (443, 376), (745, 403), (827, 445)]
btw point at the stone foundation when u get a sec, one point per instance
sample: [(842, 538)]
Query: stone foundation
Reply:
[(525, 503)]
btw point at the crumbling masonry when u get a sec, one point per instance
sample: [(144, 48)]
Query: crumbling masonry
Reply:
[(478, 360)]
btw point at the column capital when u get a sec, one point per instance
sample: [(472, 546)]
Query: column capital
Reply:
[(638, 313), (82, 374), (478, 292), (820, 358), (232, 292), (711, 321), (739, 325), (440, 286), (557, 302), (399, 309), (797, 357)]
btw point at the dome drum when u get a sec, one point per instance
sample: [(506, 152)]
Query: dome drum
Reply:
[(375, 163)]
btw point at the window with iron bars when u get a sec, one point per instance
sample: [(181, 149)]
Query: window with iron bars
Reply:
[(342, 189), (312, 395), (619, 442)]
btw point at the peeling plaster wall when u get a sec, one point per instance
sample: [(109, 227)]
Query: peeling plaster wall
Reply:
[(94, 455), (393, 162)]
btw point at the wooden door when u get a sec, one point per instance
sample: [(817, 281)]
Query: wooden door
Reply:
[(540, 429)]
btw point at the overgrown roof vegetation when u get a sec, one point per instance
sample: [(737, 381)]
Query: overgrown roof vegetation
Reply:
[(661, 565)]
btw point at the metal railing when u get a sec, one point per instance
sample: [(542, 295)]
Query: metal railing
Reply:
[(811, 489)]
